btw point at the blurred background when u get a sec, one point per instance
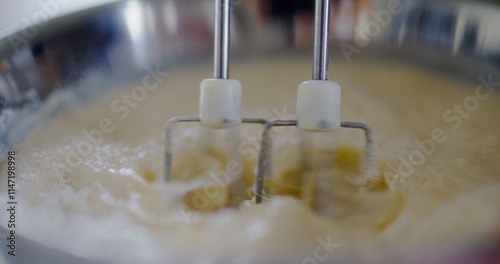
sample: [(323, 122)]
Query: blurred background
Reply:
[(13, 11)]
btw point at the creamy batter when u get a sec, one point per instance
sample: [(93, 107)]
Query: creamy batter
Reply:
[(90, 180)]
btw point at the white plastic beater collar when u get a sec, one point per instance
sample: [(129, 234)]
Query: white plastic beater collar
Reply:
[(318, 100), (220, 103), (220, 98)]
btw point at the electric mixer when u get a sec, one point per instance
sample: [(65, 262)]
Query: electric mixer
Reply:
[(318, 100)]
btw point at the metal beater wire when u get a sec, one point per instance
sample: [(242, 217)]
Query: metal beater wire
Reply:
[(319, 72), (265, 150), (167, 171)]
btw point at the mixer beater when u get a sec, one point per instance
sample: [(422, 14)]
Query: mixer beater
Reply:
[(318, 100), (220, 97)]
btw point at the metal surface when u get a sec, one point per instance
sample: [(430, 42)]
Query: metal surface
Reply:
[(167, 155), (265, 151), (320, 72), (321, 39), (221, 71), (221, 39), (169, 127)]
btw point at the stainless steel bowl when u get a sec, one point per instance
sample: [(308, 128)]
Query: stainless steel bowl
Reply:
[(113, 44)]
